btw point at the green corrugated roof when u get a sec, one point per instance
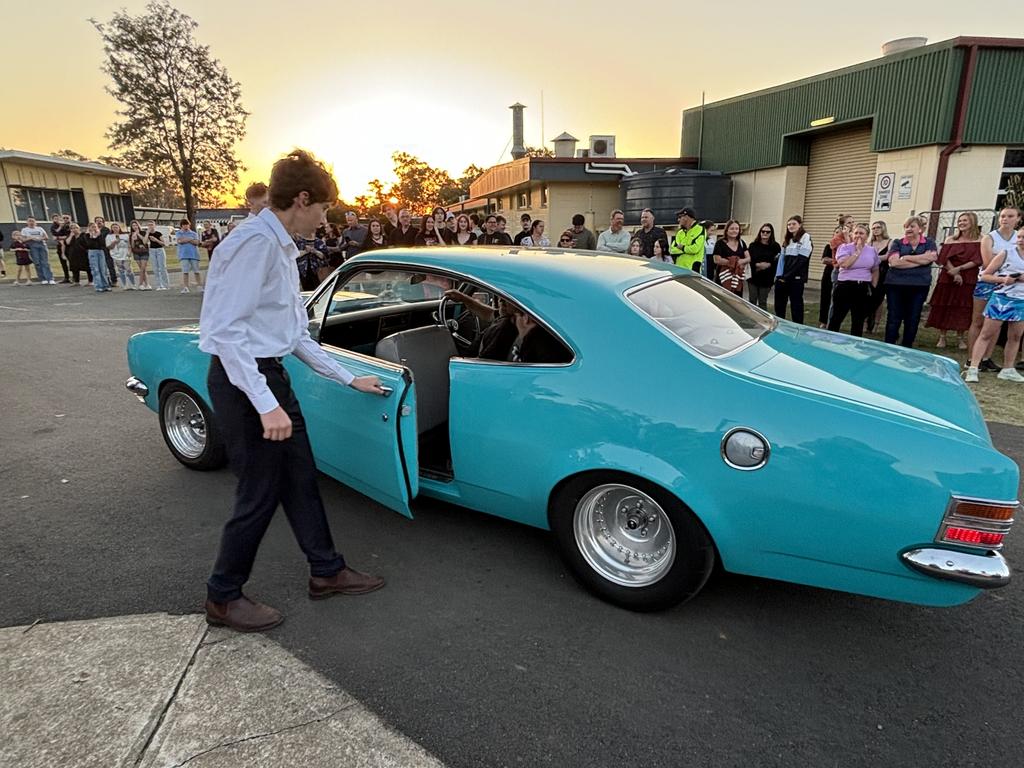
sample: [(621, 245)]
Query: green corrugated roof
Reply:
[(910, 97)]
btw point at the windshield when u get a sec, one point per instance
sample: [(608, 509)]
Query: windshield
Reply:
[(705, 316), (374, 288)]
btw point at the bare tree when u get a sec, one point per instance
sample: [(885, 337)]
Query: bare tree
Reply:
[(180, 110)]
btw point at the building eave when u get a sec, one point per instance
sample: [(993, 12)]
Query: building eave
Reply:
[(48, 161)]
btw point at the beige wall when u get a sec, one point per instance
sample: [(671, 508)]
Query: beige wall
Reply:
[(973, 178), (19, 175), (774, 194), (920, 163), (595, 200), (771, 195)]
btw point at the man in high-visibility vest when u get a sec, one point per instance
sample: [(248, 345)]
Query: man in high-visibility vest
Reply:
[(687, 247)]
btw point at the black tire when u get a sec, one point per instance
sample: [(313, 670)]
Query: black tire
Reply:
[(694, 556), (207, 454)]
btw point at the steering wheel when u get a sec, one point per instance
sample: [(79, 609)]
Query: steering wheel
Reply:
[(463, 325)]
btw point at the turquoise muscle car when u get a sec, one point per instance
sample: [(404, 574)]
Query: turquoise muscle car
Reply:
[(668, 425)]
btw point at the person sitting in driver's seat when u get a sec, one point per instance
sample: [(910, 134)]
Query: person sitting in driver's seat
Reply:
[(512, 335)]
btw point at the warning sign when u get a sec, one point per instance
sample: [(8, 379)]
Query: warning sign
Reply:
[(883, 191)]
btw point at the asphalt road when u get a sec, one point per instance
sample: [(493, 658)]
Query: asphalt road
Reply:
[(482, 648)]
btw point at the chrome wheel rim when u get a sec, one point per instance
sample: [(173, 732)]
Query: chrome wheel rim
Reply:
[(185, 425), (624, 535)]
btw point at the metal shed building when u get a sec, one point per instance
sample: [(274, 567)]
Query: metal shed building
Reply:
[(935, 129)]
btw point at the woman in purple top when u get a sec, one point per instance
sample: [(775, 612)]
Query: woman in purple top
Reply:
[(858, 274)]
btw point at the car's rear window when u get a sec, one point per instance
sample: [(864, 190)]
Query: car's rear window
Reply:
[(703, 315)]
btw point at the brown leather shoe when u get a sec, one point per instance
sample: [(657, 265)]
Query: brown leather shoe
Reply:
[(347, 581), (242, 615)]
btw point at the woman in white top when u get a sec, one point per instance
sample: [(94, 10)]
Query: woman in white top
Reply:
[(536, 236), (119, 246), (1006, 273), (1004, 238), (791, 274)]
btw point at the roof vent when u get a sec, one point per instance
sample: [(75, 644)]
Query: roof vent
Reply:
[(565, 145), (903, 44)]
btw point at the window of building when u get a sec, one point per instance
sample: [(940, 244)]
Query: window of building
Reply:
[(41, 204), (523, 199), (113, 207), (1012, 176), (544, 196), (501, 203)]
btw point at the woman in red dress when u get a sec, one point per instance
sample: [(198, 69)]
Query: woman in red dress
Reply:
[(953, 298)]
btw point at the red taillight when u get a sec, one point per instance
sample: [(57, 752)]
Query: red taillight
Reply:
[(977, 522), (977, 538)]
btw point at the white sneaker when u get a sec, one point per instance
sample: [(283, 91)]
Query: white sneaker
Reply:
[(185, 290), (971, 376), (1010, 374), (52, 282)]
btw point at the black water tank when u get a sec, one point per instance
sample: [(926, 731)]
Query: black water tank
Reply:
[(665, 192)]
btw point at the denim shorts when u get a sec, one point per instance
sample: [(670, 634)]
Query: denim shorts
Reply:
[(190, 265)]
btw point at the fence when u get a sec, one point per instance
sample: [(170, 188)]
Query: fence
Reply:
[(942, 224)]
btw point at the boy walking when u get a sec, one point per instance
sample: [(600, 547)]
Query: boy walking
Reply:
[(252, 317)]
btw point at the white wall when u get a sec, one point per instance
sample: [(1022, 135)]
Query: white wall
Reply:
[(973, 178)]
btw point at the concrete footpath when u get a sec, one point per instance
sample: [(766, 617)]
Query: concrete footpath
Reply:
[(156, 691)]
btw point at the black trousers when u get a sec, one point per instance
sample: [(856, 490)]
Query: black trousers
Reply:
[(851, 297), (62, 256), (269, 473), (790, 290), (827, 289)]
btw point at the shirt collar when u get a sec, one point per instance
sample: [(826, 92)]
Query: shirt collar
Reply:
[(269, 219)]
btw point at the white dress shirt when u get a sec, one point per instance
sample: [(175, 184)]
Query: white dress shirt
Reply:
[(252, 309)]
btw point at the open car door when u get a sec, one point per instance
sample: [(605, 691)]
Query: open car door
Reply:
[(365, 441)]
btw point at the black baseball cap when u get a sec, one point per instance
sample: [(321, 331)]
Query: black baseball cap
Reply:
[(686, 212)]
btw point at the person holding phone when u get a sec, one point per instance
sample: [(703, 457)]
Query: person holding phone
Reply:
[(1006, 273)]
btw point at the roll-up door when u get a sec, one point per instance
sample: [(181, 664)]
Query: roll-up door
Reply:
[(840, 180)]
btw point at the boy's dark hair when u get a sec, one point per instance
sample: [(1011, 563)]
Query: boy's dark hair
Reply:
[(500, 218), (578, 220), (296, 172), (183, 223), (255, 190)]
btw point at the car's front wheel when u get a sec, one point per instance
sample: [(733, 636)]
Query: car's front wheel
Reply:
[(189, 429), (631, 542)]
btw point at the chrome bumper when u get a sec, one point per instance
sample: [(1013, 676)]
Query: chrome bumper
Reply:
[(137, 388), (985, 571)]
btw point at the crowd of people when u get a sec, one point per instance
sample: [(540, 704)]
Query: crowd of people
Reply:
[(979, 286), (107, 255)]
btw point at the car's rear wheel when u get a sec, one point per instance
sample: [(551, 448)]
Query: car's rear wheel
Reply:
[(189, 429), (631, 542)]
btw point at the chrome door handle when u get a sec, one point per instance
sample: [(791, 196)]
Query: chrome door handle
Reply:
[(386, 390)]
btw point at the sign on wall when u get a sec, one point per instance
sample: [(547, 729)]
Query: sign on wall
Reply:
[(905, 188), (883, 191)]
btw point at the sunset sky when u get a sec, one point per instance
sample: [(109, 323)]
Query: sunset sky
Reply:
[(435, 79)]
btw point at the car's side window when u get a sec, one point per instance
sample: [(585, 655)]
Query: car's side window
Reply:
[(317, 309)]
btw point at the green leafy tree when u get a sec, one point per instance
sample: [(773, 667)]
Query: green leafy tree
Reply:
[(419, 185), (539, 152), (181, 114)]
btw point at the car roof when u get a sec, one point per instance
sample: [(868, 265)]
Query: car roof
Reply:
[(518, 270)]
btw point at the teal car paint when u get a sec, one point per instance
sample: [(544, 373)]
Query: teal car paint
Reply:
[(867, 442)]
